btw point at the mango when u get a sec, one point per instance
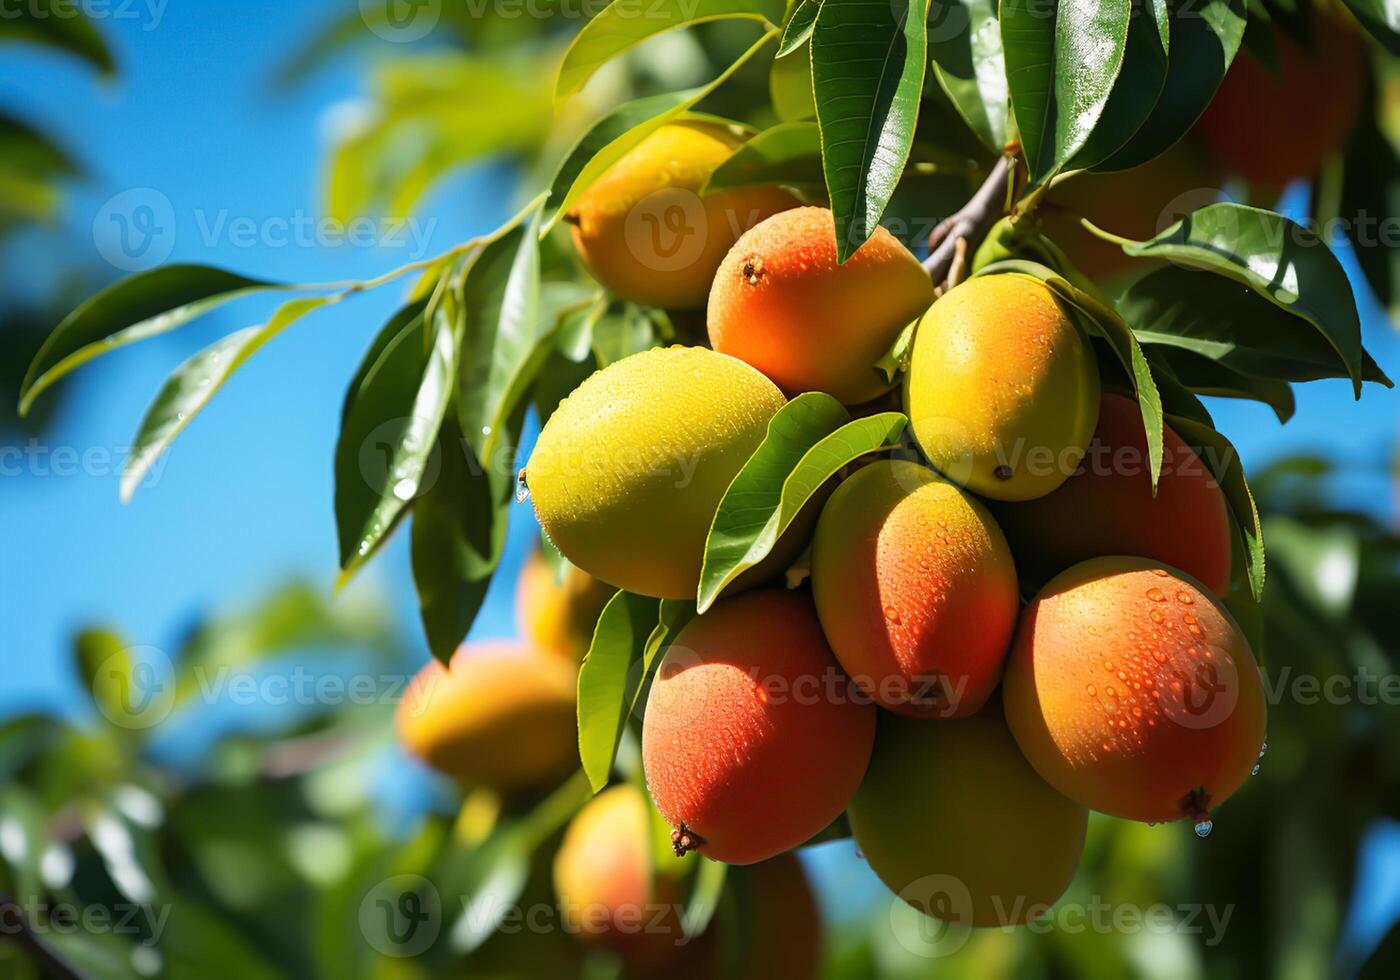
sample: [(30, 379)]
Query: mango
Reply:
[(1107, 507), (753, 739), (558, 616), (500, 715), (1272, 126), (1131, 690), (956, 822), (781, 303), (643, 230), (608, 890), (628, 471), (1002, 392), (916, 589)]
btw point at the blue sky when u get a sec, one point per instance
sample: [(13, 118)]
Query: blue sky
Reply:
[(244, 499)]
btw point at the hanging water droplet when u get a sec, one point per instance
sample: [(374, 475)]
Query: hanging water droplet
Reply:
[(1255, 770), (1204, 827), (405, 489), (522, 489), (1262, 749), (486, 430)]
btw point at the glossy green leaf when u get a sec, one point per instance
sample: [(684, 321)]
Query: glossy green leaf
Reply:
[(612, 136), (142, 305), (58, 24), (1205, 36), (1103, 321), (868, 62), (1282, 261), (808, 441), (965, 42), (1207, 377), (789, 154), (623, 333), (608, 678), (1223, 460), (623, 24), (386, 442), (790, 87), (190, 387), (1060, 71), (705, 896), (1138, 87)]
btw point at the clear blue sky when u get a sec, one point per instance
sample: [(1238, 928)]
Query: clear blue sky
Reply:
[(244, 498)]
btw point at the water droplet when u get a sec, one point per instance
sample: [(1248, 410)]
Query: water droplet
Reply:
[(1122, 676), (892, 614), (1185, 599), (522, 489), (1093, 691), (1188, 618), (1203, 828), (1159, 656), (1255, 770), (1110, 690), (1108, 665), (1156, 615), (486, 430), (1262, 749), (1194, 629), (1156, 594), (1160, 572), (405, 489)]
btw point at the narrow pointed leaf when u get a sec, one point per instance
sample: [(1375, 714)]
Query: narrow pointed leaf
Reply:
[(799, 27), (1138, 87), (607, 679), (788, 154), (965, 42)]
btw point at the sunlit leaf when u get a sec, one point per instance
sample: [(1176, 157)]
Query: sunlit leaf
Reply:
[(965, 42)]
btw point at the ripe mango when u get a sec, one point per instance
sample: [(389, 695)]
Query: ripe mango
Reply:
[(644, 231), (1107, 507), (1002, 391), (629, 470), (916, 589), (956, 822), (753, 739), (781, 302), (606, 882), (1131, 690), (558, 616), (500, 716)]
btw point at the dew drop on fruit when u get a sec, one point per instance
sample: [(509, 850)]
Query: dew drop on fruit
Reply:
[(1156, 594), (1185, 598), (892, 614), (1160, 572), (1203, 828)]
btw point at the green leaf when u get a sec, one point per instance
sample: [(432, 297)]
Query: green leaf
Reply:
[(1370, 194), (965, 42), (704, 897), (789, 154), (1060, 71), (798, 30), (1138, 87), (808, 441), (622, 334), (1381, 18), (24, 837), (58, 24), (790, 87), (608, 679), (1220, 456), (139, 306), (190, 387), (1207, 377), (1205, 36), (1228, 323), (1282, 261), (612, 136), (1101, 320), (868, 60), (622, 25), (390, 429)]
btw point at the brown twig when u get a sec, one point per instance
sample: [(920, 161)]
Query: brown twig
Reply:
[(969, 225)]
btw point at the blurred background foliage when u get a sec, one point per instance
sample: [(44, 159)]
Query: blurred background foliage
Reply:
[(259, 834)]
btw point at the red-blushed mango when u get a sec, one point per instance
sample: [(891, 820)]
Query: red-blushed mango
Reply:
[(1133, 692), (753, 739), (916, 589), (644, 231), (608, 890), (957, 824), (1274, 126), (500, 716), (558, 616), (1107, 507), (781, 302), (1002, 391), (629, 470)]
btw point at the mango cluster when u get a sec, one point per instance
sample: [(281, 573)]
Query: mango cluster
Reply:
[(1004, 624)]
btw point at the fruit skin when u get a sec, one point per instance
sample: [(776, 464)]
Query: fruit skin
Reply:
[(606, 882), (1107, 508), (1127, 715), (1273, 127), (1001, 382), (500, 716), (622, 223), (629, 470), (913, 581), (558, 617), (781, 302), (956, 822), (753, 740)]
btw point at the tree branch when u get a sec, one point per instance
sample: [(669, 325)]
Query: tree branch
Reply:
[(969, 226)]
